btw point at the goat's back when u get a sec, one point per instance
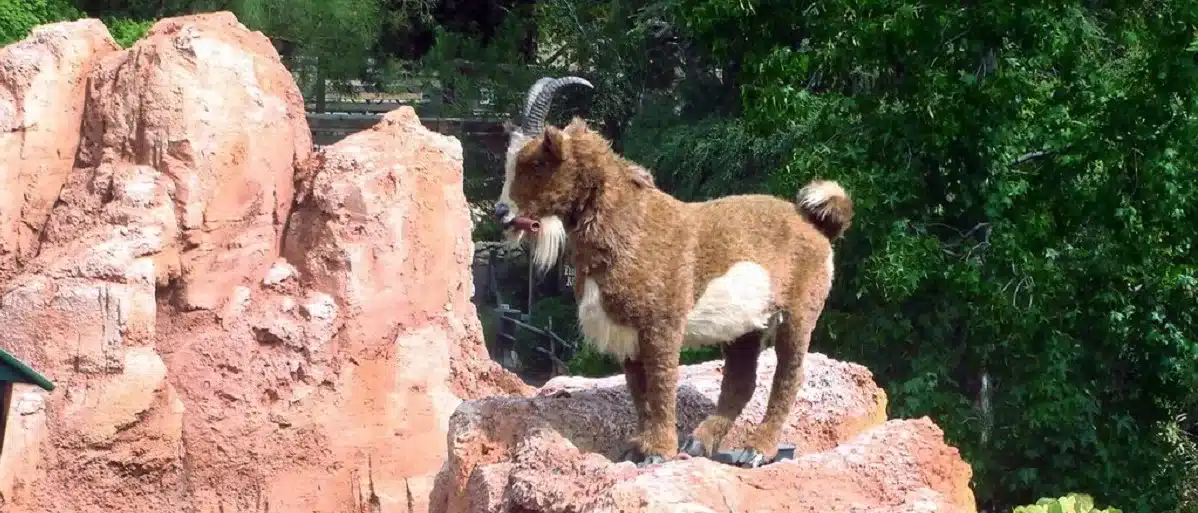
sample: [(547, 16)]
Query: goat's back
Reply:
[(761, 229)]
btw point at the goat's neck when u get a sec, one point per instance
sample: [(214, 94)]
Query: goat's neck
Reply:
[(608, 225)]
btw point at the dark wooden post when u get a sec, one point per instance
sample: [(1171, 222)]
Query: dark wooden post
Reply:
[(12, 371), (5, 407)]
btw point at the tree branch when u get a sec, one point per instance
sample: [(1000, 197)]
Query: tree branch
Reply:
[(1032, 156)]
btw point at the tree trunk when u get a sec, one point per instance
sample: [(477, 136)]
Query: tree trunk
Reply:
[(320, 86)]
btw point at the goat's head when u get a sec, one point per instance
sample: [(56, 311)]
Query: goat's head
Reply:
[(537, 187)]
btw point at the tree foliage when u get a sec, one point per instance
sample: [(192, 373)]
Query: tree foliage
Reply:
[(18, 17), (1021, 174), (1072, 503), (335, 36), (332, 39), (127, 31), (1022, 178)]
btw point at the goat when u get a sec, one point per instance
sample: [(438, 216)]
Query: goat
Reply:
[(655, 274)]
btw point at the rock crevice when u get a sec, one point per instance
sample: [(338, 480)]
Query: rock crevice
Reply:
[(225, 333)]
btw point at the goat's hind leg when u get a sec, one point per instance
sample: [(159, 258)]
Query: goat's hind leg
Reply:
[(736, 389), (791, 343)]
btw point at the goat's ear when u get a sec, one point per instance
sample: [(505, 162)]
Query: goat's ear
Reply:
[(576, 126), (555, 143), (508, 127)]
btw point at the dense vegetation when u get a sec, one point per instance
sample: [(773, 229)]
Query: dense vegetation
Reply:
[(1020, 171), (1021, 268), (18, 16)]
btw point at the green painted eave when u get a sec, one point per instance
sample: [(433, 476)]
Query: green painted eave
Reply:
[(14, 370)]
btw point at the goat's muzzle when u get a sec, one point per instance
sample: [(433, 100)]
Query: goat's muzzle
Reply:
[(527, 224), (503, 214)]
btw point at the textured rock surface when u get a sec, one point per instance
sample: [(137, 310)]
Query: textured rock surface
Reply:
[(203, 110), (900, 466), (837, 401), (232, 325), (553, 452), (42, 81)]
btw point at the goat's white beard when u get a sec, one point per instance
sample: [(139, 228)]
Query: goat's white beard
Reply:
[(549, 243)]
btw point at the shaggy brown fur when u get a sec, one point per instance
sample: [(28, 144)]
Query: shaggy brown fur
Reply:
[(653, 259)]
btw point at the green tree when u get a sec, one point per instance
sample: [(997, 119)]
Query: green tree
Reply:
[(331, 39), (18, 17), (321, 41), (1023, 179), (127, 31)]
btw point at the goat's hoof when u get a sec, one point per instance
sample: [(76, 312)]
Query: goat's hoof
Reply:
[(652, 459), (743, 458), (631, 455), (693, 447), (642, 460)]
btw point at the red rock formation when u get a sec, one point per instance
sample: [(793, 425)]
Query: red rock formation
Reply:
[(204, 108), (553, 453), (42, 83), (236, 325), (228, 334), (838, 400)]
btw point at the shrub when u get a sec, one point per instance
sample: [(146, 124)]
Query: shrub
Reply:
[(1072, 503), (19, 17), (126, 31)]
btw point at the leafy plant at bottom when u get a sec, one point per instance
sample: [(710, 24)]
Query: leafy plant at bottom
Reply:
[(1072, 503)]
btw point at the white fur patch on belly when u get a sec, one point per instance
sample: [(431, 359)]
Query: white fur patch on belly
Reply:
[(736, 303), (599, 329)]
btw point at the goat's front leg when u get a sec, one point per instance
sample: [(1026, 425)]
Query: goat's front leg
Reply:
[(658, 358), (634, 376)]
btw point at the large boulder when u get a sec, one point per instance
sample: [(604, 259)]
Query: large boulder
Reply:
[(554, 452), (232, 323), (42, 86), (206, 111)]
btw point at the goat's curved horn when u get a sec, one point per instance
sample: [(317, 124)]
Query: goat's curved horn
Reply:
[(542, 96), (532, 95)]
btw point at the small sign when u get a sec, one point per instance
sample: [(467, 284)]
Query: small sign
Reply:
[(568, 275)]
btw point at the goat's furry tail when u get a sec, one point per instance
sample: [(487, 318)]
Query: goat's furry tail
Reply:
[(827, 206)]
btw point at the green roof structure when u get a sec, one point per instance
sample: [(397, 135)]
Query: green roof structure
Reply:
[(15, 371)]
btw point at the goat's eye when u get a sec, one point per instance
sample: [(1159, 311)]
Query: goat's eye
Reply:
[(543, 170)]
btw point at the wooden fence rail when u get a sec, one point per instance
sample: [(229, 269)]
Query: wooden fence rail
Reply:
[(328, 128)]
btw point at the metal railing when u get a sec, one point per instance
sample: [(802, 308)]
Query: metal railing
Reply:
[(509, 320)]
